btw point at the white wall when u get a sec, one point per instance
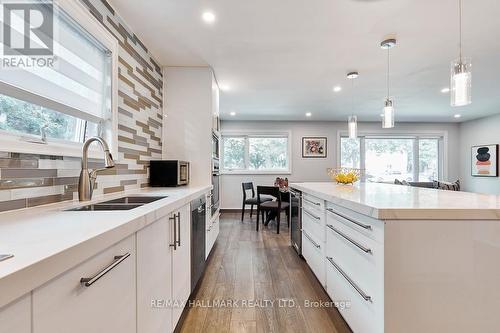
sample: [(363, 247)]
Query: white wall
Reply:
[(474, 133), (315, 169)]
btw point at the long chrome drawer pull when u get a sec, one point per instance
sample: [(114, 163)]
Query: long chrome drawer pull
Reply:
[(311, 215), (175, 233), (364, 226), (312, 202), (351, 282), (361, 247), (312, 241), (87, 282), (179, 228)]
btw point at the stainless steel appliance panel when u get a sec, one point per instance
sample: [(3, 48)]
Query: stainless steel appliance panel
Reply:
[(296, 220)]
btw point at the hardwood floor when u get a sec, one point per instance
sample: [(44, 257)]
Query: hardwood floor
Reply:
[(259, 267)]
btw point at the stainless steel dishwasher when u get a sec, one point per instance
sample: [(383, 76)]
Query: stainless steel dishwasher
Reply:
[(198, 221)]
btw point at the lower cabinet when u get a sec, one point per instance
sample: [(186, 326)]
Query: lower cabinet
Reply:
[(154, 276), (140, 284), (163, 272), (16, 316), (181, 262), (313, 253), (211, 234), (98, 295)]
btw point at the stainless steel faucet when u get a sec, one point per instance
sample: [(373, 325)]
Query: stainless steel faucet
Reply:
[(86, 183)]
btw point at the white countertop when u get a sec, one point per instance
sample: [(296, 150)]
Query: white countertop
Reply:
[(398, 202), (47, 241)]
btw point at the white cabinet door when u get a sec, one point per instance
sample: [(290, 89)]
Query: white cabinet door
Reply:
[(154, 277), (107, 304), (16, 316), (181, 262)]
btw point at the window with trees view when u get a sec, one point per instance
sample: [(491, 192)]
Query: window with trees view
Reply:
[(255, 153), (65, 102), (385, 159)]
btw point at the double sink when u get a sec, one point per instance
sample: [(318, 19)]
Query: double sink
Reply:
[(124, 203)]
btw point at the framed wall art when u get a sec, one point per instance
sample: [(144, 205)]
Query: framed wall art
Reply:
[(314, 147), (484, 161)]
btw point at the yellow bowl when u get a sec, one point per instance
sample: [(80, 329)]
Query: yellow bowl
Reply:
[(344, 175)]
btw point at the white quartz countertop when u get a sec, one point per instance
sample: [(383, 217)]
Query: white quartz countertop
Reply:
[(47, 241), (398, 202)]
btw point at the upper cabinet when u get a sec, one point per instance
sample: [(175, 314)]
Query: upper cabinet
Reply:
[(191, 103), (215, 107)]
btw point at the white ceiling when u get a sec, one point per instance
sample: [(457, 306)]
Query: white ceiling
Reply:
[(283, 57)]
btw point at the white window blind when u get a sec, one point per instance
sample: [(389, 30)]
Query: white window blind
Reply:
[(79, 84)]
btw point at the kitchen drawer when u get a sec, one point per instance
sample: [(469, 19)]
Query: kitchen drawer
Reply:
[(312, 202), (360, 257), (107, 305), (365, 225), (313, 222), (313, 253), (362, 315)]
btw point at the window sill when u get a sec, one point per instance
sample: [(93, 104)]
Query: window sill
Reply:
[(256, 172), (14, 144)]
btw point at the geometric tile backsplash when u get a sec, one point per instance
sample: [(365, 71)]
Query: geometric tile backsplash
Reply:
[(28, 180)]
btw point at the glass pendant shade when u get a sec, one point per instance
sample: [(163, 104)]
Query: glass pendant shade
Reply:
[(461, 82), (353, 127), (388, 116)]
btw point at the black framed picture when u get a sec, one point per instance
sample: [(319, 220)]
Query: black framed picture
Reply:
[(484, 161), (314, 147)]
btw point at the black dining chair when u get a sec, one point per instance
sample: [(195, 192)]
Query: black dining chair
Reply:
[(276, 206), (252, 201)]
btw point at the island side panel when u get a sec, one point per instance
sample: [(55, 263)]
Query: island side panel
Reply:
[(442, 276)]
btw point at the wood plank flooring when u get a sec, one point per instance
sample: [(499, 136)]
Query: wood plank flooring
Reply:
[(259, 267)]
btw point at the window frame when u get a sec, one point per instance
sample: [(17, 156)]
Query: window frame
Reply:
[(254, 134), (442, 137), (17, 142)]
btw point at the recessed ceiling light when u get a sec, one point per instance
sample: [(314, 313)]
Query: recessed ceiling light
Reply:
[(457, 116), (445, 90), (208, 17), (308, 114), (232, 113), (381, 114), (225, 87), (337, 88)]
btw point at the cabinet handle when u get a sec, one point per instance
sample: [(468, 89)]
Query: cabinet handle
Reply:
[(311, 215), (312, 202), (351, 282), (359, 224), (87, 282), (361, 247), (179, 228), (175, 233), (310, 239)]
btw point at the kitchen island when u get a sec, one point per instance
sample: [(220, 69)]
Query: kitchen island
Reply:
[(405, 259)]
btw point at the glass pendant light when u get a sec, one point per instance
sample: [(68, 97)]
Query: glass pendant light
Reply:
[(353, 127), (352, 121), (388, 115), (461, 76)]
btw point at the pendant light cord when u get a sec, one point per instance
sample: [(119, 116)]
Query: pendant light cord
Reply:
[(352, 97), (460, 28), (388, 73)]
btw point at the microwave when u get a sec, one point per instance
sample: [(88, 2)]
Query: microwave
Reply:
[(168, 173)]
